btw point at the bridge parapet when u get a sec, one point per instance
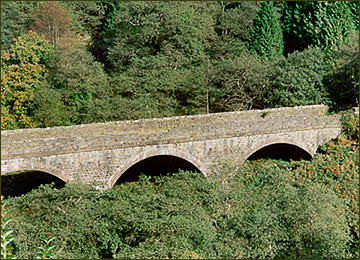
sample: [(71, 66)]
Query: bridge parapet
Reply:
[(158, 124)]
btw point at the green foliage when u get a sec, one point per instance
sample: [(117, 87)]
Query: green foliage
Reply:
[(343, 80), (161, 59), (22, 73), (233, 23), (144, 84), (298, 79), (336, 166), (333, 25), (259, 213), (323, 24), (6, 237), (46, 249), (266, 38), (48, 212), (235, 19), (77, 92), (16, 18), (274, 219), (263, 209), (158, 57), (147, 29), (86, 16), (354, 9), (241, 83), (101, 42), (50, 108), (175, 221)]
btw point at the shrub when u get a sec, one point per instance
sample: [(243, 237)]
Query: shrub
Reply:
[(279, 220), (337, 166)]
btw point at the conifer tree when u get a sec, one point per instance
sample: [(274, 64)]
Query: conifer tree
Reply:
[(266, 38), (327, 25)]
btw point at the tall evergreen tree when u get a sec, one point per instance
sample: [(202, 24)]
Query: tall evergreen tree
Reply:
[(324, 24), (266, 38)]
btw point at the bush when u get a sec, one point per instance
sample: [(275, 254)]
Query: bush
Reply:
[(337, 166), (278, 220)]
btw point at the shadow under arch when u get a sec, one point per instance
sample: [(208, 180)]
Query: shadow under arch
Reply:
[(21, 182), (284, 151), (156, 165)]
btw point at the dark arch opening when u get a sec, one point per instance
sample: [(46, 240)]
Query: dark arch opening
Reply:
[(19, 183), (156, 166), (281, 151)]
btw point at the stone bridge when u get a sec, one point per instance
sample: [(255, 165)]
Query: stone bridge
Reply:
[(103, 152)]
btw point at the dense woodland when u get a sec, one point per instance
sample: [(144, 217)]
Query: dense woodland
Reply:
[(74, 62)]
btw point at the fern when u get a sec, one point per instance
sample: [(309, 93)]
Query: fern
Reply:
[(45, 251), (6, 237)]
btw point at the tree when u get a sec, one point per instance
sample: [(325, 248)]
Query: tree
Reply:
[(86, 16), (354, 8), (241, 83), (158, 54), (52, 21), (343, 80), (16, 18), (334, 25), (298, 79), (77, 92), (235, 19), (270, 216), (266, 38), (323, 24), (336, 165), (23, 71), (233, 26), (101, 42)]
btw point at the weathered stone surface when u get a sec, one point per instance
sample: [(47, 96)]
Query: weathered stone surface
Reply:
[(102, 152)]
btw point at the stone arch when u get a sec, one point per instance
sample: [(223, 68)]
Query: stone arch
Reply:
[(276, 142), (21, 181), (51, 171), (153, 153)]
